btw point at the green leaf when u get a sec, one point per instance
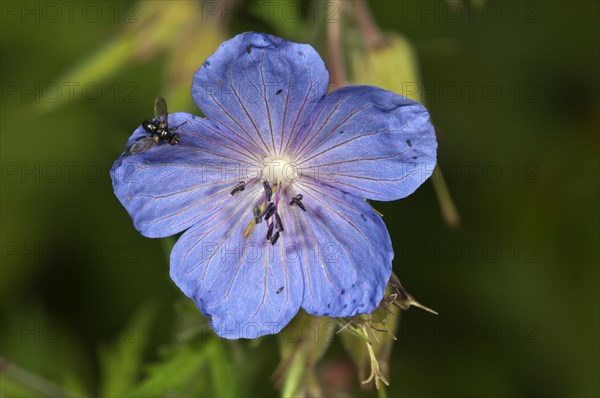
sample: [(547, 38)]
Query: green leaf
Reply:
[(302, 344), (11, 388), (179, 367), (120, 363), (183, 368), (75, 385), (16, 381), (221, 370)]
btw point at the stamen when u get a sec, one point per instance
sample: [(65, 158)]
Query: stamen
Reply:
[(278, 223), (296, 200), (270, 231), (257, 215), (238, 188), (268, 190), (270, 210), (248, 229), (256, 220), (275, 237)]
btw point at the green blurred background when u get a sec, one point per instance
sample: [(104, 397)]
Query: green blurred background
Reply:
[(88, 308)]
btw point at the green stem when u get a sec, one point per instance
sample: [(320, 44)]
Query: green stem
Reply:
[(367, 25), (294, 375), (32, 380), (335, 49), (382, 392), (449, 212)]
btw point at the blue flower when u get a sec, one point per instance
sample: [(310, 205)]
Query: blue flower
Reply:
[(270, 188)]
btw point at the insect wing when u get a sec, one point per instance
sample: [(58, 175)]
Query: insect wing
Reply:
[(142, 145), (160, 111)]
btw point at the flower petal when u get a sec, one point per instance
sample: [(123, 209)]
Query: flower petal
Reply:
[(349, 252), (261, 89), (168, 188), (247, 287), (369, 142)]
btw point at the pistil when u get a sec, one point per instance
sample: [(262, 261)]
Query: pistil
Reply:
[(278, 171)]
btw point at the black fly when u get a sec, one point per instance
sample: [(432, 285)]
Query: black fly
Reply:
[(158, 128)]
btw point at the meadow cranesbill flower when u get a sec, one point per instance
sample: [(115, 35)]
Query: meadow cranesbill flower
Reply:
[(270, 188)]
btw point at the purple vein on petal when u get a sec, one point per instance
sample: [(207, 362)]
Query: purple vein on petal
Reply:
[(206, 123), (229, 216), (295, 133), (292, 129), (309, 130), (264, 95), (303, 223), (204, 199), (248, 154), (266, 147), (339, 144), (302, 243), (285, 108), (214, 129), (234, 121), (316, 197), (306, 148)]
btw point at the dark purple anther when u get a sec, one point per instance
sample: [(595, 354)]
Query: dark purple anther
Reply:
[(268, 190), (297, 200), (275, 237), (270, 231), (257, 217), (238, 188), (278, 223), (270, 210)]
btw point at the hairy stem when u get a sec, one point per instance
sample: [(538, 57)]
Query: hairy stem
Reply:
[(367, 24), (335, 49), (447, 207)]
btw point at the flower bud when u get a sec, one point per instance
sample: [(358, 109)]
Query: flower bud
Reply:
[(391, 65)]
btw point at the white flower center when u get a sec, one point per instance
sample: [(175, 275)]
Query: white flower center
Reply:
[(276, 176), (280, 170)]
